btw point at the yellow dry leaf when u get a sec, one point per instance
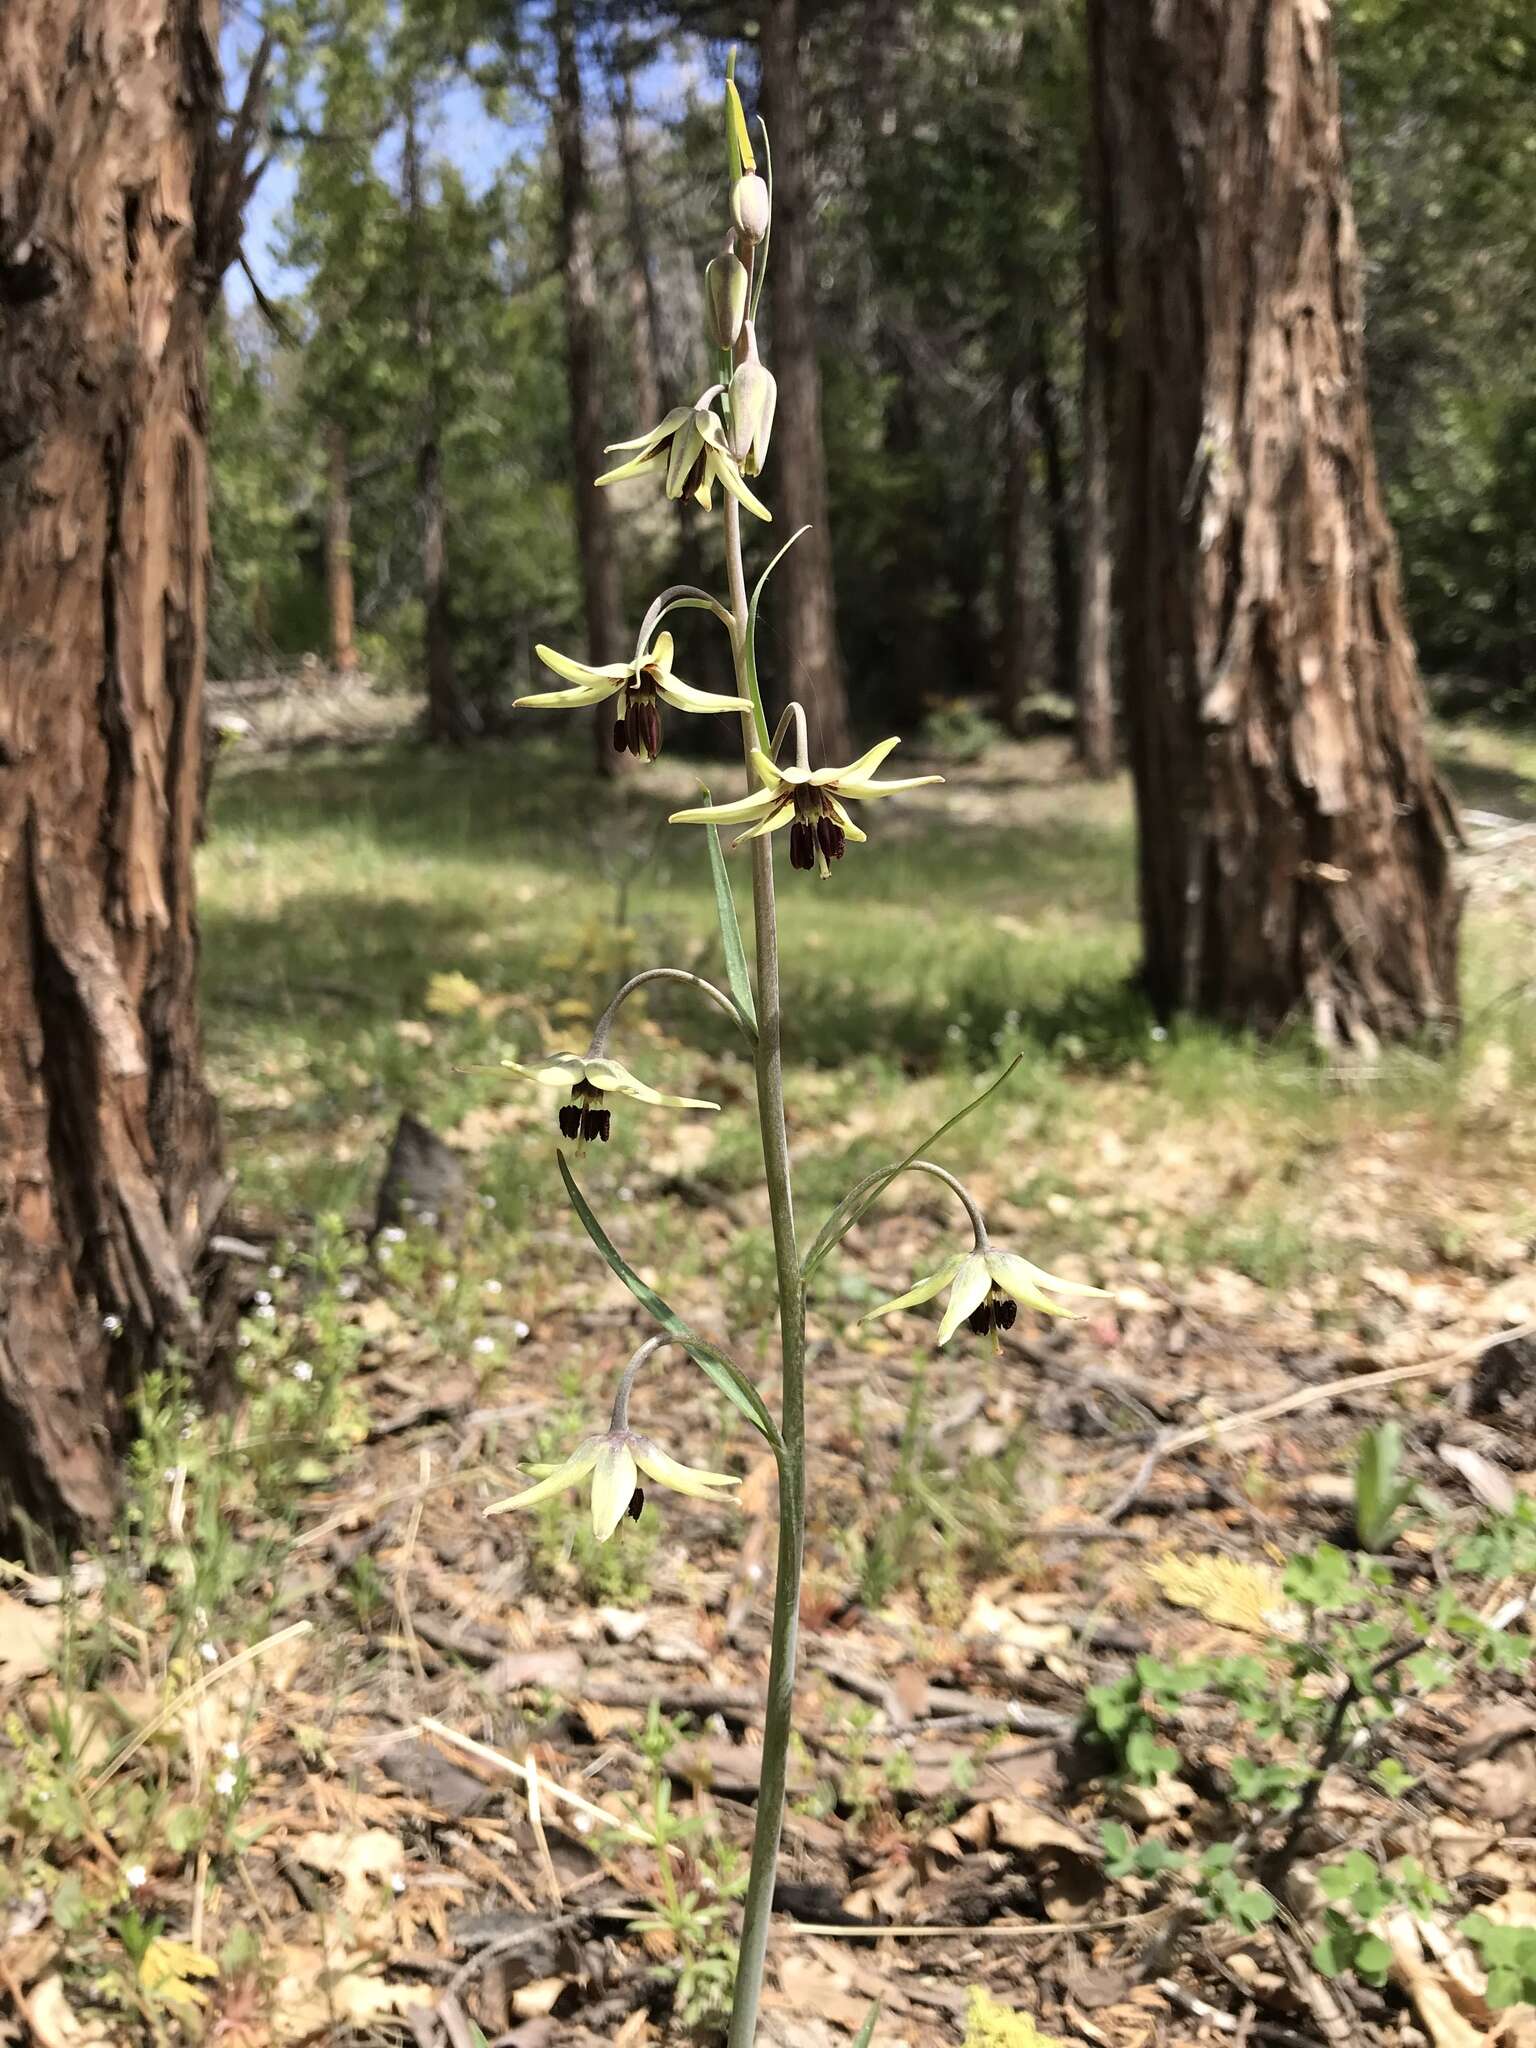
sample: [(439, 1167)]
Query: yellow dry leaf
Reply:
[(1246, 1597), (166, 1970), (990, 2025), (453, 995)]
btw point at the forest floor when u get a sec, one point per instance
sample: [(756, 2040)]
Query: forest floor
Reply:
[(1112, 1731)]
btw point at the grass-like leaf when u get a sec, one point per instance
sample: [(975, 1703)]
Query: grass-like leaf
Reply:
[(859, 1197), (709, 1358), (737, 977)]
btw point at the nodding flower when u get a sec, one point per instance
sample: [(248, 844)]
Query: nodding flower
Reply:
[(811, 802), (985, 1290), (689, 446), (591, 1079), (641, 687), (616, 1461)]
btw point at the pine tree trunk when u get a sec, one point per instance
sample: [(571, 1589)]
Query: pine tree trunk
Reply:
[(338, 552), (448, 717), (1095, 687), (1295, 841), (1018, 659), (812, 668), (110, 1181), (601, 578), (640, 283), (1045, 404)]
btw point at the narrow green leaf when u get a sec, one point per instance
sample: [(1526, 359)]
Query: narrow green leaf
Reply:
[(753, 689), (709, 1358), (737, 977), (866, 2033), (858, 1199)]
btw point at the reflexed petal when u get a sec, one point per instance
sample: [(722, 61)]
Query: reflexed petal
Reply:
[(655, 1464), (557, 1070), (723, 467), (924, 1290), (845, 821), (638, 465), (684, 697), (742, 812), (1024, 1282), (769, 773), (866, 792), (613, 1486), (857, 771), (567, 700), (660, 652), (969, 1291), (615, 1079), (655, 436), (583, 671), (783, 815), (575, 1469)]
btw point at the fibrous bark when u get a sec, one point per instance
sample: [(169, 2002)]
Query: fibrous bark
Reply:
[(812, 669), (601, 578), (1094, 691), (118, 213), (1295, 841), (338, 552)]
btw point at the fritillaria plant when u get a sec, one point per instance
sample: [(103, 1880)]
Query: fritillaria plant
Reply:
[(723, 438)]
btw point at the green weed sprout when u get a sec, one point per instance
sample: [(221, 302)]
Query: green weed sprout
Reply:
[(721, 440), (1381, 1492)]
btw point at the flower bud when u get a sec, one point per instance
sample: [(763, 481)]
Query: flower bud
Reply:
[(754, 396), (749, 206), (725, 298)]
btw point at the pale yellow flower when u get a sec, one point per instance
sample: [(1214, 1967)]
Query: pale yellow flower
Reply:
[(644, 684), (985, 1289), (616, 1463), (689, 445), (811, 801)]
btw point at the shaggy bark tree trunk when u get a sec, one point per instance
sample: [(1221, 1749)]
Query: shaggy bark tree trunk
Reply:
[(645, 346), (338, 552), (601, 577), (118, 213), (448, 717), (1095, 688), (812, 668), (1295, 841)]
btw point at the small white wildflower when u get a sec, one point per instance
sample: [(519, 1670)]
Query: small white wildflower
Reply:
[(245, 1339), (171, 1474), (429, 1218), (135, 1875), (384, 1254), (266, 1312), (303, 1370), (208, 1653), (231, 1752), (1159, 1034), (626, 1194), (261, 1297), (393, 1234), (224, 1784), (484, 1344), (346, 1286), (953, 1033), (521, 1330), (397, 1884), (448, 1283), (487, 1201), (492, 1286), (186, 1431), (582, 1824), (113, 1325), (274, 1272)]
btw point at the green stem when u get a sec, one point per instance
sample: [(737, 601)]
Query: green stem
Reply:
[(779, 1716)]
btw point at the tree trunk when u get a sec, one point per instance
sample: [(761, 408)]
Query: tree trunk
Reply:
[(812, 667), (1095, 688), (601, 578), (1018, 665), (1045, 403), (1295, 841), (448, 717), (645, 343), (338, 552), (114, 228)]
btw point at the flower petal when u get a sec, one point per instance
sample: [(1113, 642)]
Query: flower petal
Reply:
[(616, 1079), (1025, 1282), (555, 1070), (638, 465), (923, 1290), (857, 771), (725, 469), (571, 1473), (866, 792), (783, 814), (660, 652), (666, 1471), (845, 821), (583, 671), (613, 1485), (768, 772), (567, 700), (655, 435), (741, 812), (969, 1291), (684, 697)]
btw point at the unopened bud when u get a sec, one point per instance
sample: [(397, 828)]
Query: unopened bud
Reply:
[(725, 298), (754, 397), (749, 206)]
